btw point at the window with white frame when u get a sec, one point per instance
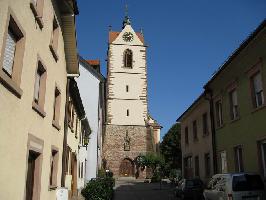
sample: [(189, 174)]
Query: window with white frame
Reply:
[(258, 96), (239, 167), (219, 114), (223, 162), (234, 112)]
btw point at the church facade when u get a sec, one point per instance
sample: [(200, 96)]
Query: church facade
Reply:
[(129, 130)]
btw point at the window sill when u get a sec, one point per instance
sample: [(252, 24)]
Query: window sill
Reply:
[(52, 49), (258, 108), (52, 187), (37, 16), (56, 125), (235, 120), (220, 127), (38, 109), (10, 84), (205, 135)]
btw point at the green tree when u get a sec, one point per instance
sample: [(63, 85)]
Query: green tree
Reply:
[(170, 148)]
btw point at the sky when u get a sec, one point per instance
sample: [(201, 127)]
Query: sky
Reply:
[(187, 42)]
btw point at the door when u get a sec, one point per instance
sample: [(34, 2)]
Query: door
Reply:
[(30, 175), (127, 168)]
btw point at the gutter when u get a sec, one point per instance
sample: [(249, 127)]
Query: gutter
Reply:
[(208, 95)]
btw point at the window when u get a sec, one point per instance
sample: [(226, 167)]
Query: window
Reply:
[(53, 168), (219, 114), (56, 110), (127, 112), (234, 113), (37, 9), (262, 150), (39, 89), (197, 166), (257, 90), (188, 172), (207, 164), (127, 88), (9, 53), (239, 167), (34, 167), (205, 124), (195, 130), (33, 178), (12, 57), (128, 58), (223, 162), (186, 136), (54, 39)]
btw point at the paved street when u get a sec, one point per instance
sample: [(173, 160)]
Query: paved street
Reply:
[(130, 189)]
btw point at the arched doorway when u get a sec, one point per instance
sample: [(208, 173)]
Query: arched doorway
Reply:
[(127, 168)]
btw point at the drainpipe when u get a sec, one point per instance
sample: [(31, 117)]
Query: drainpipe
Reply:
[(64, 154), (209, 97)]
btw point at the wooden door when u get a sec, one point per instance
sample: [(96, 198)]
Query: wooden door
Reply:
[(127, 168)]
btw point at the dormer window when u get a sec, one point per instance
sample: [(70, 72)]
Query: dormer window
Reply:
[(128, 58)]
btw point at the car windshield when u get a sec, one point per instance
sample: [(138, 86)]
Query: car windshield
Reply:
[(193, 183), (247, 182)]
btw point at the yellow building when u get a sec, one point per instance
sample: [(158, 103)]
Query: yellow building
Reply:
[(37, 53)]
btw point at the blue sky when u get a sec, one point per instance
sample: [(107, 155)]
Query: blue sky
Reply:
[(188, 40)]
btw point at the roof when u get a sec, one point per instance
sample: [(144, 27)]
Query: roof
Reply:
[(89, 67), (113, 35), (93, 62), (190, 107), (242, 46)]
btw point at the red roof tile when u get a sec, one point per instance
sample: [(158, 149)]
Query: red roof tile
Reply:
[(93, 62)]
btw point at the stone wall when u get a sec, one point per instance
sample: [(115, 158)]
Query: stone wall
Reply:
[(113, 147)]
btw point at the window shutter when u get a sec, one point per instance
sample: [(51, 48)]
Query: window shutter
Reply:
[(9, 53)]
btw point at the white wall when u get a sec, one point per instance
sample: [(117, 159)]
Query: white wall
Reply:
[(89, 91)]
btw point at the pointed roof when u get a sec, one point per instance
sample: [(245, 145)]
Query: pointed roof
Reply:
[(113, 35)]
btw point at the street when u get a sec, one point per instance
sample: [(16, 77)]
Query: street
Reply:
[(131, 189)]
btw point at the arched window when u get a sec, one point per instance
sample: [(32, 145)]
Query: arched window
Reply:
[(128, 58)]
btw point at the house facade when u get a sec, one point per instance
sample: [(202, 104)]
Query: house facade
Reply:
[(196, 140), (77, 142), (238, 96), (35, 58), (91, 84)]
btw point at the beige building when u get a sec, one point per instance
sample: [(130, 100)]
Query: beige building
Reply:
[(127, 125), (196, 140), (38, 50)]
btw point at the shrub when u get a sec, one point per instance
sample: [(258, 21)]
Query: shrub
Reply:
[(99, 189)]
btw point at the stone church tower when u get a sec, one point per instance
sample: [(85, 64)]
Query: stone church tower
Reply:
[(129, 132)]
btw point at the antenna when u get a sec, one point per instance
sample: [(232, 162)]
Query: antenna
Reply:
[(126, 10)]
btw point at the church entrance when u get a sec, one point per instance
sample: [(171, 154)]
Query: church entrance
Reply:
[(127, 168)]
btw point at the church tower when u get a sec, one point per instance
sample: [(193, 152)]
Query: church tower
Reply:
[(127, 133)]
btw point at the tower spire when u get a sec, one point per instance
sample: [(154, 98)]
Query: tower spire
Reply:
[(126, 20)]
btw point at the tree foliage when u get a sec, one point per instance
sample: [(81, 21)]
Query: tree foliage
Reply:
[(170, 148)]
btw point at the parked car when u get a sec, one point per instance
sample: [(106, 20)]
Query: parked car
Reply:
[(190, 189), (235, 186)]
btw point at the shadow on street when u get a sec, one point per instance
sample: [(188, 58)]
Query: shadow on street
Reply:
[(138, 190)]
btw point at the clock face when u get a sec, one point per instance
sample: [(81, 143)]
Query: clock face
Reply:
[(128, 37)]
